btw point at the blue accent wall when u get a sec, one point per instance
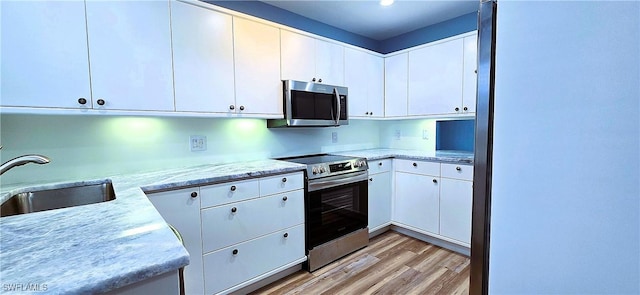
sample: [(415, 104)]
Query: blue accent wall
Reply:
[(455, 135), (278, 15), (452, 27), (462, 24)]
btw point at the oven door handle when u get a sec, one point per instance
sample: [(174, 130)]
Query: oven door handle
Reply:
[(333, 181)]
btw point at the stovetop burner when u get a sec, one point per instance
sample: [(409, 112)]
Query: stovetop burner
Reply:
[(324, 165)]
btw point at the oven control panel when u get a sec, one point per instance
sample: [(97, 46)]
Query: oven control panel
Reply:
[(336, 168)]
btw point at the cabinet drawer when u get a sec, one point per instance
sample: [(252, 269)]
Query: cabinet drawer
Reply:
[(214, 195), (418, 167), (281, 183), (223, 269), (457, 171), (379, 166), (237, 222)]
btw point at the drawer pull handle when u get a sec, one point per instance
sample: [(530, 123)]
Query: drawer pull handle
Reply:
[(458, 168), (415, 164), (194, 194), (284, 179), (234, 209), (435, 180), (235, 252), (284, 198), (233, 188), (286, 235)]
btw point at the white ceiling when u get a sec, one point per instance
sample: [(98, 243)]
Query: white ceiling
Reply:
[(369, 19)]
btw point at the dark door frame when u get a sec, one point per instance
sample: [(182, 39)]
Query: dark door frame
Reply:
[(483, 159)]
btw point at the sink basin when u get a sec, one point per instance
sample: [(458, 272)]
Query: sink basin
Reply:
[(41, 200)]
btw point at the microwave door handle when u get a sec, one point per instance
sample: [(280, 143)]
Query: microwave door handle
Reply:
[(337, 95)]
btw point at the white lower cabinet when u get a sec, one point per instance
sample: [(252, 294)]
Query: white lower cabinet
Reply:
[(434, 198), (262, 219), (380, 192), (417, 201), (233, 265)]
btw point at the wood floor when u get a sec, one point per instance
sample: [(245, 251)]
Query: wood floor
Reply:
[(392, 264)]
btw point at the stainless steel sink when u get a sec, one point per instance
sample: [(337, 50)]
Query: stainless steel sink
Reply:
[(41, 200)]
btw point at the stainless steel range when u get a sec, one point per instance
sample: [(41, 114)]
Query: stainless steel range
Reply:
[(336, 199)]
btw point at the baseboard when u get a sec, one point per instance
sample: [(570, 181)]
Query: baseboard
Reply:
[(266, 281), (432, 240)]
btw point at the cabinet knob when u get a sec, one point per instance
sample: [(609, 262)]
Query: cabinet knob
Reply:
[(284, 179), (313, 80), (458, 168), (234, 209), (380, 164), (285, 198), (370, 179), (415, 164), (465, 109), (232, 107), (371, 113), (101, 102), (319, 80), (367, 113), (435, 180), (82, 101), (475, 71), (233, 188), (242, 108), (286, 235), (194, 194), (457, 109), (235, 252)]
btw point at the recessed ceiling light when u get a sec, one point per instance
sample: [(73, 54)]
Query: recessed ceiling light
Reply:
[(386, 2)]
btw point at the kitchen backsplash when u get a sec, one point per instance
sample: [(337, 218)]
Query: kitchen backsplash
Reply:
[(96, 146)]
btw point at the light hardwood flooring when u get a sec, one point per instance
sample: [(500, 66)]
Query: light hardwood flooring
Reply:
[(392, 264)]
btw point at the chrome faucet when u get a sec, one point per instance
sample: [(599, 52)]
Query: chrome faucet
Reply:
[(38, 159)]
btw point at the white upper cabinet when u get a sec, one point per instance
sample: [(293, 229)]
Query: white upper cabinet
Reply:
[(309, 59), (130, 55), (470, 77), (257, 68), (364, 77), (202, 59), (44, 54), (395, 85), (435, 79)]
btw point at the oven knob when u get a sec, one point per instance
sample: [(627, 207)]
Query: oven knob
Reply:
[(322, 170), (363, 163), (356, 164), (314, 170)]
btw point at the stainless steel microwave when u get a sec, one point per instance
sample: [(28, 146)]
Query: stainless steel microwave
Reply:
[(308, 104)]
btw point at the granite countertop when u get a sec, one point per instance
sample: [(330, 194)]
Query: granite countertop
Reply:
[(100, 247), (459, 157)]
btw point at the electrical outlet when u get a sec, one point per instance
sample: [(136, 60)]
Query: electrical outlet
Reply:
[(334, 137), (397, 134), (425, 134), (197, 143)]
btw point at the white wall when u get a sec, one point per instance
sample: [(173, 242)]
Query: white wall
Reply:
[(99, 146), (565, 216)]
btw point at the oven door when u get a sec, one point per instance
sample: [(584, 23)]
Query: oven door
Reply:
[(336, 206)]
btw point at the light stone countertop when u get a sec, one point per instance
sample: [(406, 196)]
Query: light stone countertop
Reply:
[(104, 246), (457, 157)]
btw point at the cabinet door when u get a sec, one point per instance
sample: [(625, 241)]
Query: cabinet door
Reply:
[(44, 54), (470, 77), (395, 82), (298, 53), (182, 211), (435, 79), (456, 198), (379, 200), (257, 64), (202, 59), (416, 202), (329, 63), (130, 54), (364, 76)]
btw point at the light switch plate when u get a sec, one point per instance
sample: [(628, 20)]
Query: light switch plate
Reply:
[(397, 134), (197, 143), (425, 134), (334, 137)]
